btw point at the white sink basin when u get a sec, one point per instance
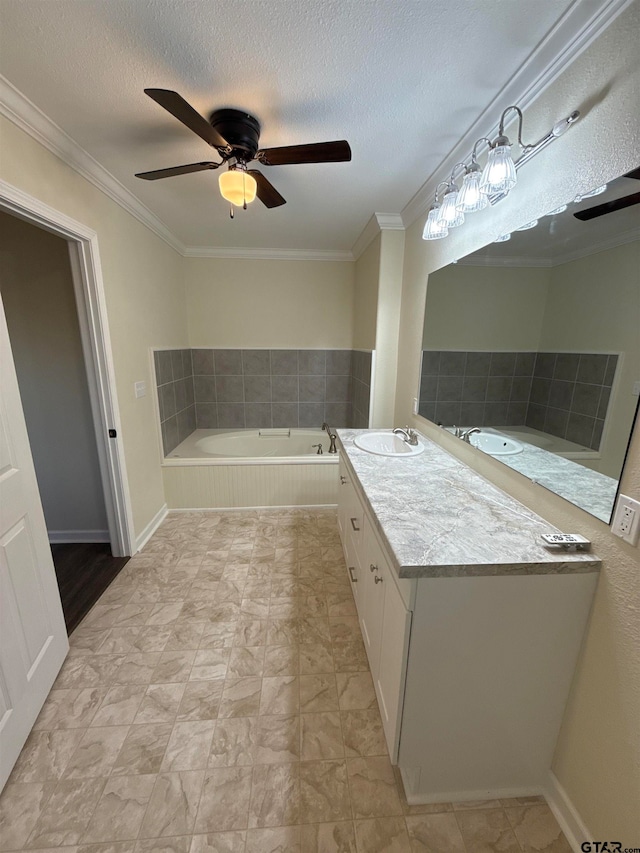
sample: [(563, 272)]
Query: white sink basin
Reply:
[(387, 444), (495, 445)]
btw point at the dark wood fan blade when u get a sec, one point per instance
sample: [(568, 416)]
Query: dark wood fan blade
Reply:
[(266, 192), (184, 112), (176, 170), (316, 152), (608, 207), (634, 173)]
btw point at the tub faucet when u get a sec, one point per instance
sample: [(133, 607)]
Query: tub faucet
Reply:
[(469, 432), (409, 435), (332, 437)]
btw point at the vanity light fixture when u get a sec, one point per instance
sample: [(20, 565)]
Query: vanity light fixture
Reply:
[(557, 210), (503, 238), (491, 184), (526, 227), (237, 186), (590, 194)]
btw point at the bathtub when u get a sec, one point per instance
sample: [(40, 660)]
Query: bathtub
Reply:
[(219, 469)]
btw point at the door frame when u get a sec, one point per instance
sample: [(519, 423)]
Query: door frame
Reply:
[(91, 307)]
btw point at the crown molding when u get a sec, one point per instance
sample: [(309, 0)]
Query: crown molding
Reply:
[(621, 239), (267, 254), (378, 222), (30, 118), (571, 35)]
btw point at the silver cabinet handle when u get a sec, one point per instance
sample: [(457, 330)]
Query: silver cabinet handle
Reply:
[(353, 524), (372, 568), (377, 579), (343, 480), (353, 580)]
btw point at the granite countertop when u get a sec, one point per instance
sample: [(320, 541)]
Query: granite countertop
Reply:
[(439, 518)]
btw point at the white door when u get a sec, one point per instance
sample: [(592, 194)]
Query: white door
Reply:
[(33, 637)]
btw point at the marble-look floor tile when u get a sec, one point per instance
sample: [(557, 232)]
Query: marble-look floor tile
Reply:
[(46, 755), (177, 844), (321, 736), (275, 795), (356, 691), (318, 693), (210, 664), (278, 739), (251, 632), (160, 704), (120, 705), (363, 733), (143, 750), (465, 805), (153, 638), (219, 842), (384, 835), (105, 847), (186, 635), (339, 837), (189, 745), (245, 661), (373, 787), (284, 839), (70, 708), (234, 742), (218, 635), (280, 695), (434, 833), (316, 658), (138, 668), (536, 829), (224, 804), (487, 831), (201, 700), (174, 804), (65, 817), (281, 660), (350, 656), (120, 641), (164, 614), (96, 752), (21, 805), (174, 667), (324, 792), (241, 697), (121, 808)]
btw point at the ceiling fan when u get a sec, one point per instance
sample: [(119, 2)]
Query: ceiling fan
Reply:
[(611, 206), (235, 136)]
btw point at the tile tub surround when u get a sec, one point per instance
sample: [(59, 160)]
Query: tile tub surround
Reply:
[(564, 394), (171, 729), (260, 389), (176, 401), (473, 528)]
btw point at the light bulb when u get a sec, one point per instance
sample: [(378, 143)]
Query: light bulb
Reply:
[(471, 197), (502, 239), (526, 227), (433, 230), (449, 215), (591, 193), (499, 174), (237, 187)]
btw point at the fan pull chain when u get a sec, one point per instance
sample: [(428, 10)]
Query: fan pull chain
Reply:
[(231, 212)]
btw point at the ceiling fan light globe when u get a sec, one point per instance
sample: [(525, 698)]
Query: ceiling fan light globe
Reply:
[(471, 198), (499, 174), (237, 187)]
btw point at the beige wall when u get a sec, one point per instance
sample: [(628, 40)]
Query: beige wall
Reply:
[(365, 302), (272, 304), (594, 304), (485, 308), (144, 294), (387, 328), (597, 758), (39, 301)]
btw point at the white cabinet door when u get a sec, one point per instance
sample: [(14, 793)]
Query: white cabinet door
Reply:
[(373, 575), (33, 638)]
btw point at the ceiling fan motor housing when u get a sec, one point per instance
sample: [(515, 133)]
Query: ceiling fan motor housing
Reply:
[(241, 130)]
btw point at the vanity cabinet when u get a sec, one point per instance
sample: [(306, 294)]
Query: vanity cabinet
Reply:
[(384, 618)]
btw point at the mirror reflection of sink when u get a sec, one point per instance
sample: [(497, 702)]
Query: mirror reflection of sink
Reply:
[(387, 444), (495, 445)]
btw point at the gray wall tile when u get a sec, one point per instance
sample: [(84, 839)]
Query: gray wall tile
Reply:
[(167, 401), (447, 413), (478, 364), (170, 435), (311, 361), (180, 390), (452, 363), (560, 393), (164, 368), (257, 415), (186, 422), (256, 361), (612, 363), (257, 389), (310, 414), (474, 389), (284, 362), (284, 415), (540, 390), (311, 389), (471, 414), (586, 399), (202, 360), (338, 415), (284, 389), (430, 363), (176, 363), (338, 388), (580, 428), (524, 365), (338, 362), (227, 362), (231, 416), (545, 365), (204, 389), (499, 388), (229, 389), (206, 416), (502, 364), (566, 366), (449, 388), (592, 368)]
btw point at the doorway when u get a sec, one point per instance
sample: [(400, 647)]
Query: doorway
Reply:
[(52, 294)]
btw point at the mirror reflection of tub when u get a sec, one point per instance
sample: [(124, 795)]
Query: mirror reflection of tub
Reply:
[(537, 338)]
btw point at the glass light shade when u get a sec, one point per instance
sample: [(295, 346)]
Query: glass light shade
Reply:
[(557, 210), (503, 239), (526, 227), (591, 193), (237, 187), (471, 197), (449, 215), (433, 230), (499, 174)]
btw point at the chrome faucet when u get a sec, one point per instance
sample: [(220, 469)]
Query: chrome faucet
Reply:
[(332, 437), (469, 432), (409, 435)]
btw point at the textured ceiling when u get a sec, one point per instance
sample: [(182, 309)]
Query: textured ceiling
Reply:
[(402, 80)]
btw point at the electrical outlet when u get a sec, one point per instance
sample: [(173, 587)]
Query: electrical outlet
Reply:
[(626, 519)]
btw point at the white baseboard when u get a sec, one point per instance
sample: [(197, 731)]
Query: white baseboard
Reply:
[(151, 528), (67, 537), (566, 813), (250, 508)]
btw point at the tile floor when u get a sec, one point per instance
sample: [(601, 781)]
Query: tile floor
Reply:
[(217, 699)]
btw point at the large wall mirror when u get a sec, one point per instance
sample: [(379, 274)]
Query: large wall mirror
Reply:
[(535, 341)]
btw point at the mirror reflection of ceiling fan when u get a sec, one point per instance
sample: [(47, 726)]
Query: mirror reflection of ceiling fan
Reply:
[(235, 136), (611, 206)]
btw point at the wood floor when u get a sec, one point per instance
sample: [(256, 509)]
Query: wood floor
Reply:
[(84, 571)]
